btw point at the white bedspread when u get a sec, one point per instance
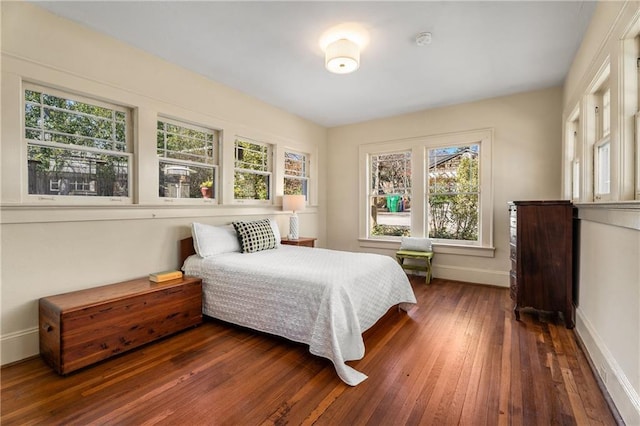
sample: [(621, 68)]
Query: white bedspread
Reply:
[(323, 298)]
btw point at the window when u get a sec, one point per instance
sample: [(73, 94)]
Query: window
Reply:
[(76, 147), (296, 174), (252, 177), (435, 186), (188, 158), (453, 193), (601, 147), (390, 194), (573, 156)]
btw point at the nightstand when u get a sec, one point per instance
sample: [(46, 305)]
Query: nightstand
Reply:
[(302, 241)]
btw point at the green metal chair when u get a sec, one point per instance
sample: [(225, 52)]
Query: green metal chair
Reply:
[(423, 264)]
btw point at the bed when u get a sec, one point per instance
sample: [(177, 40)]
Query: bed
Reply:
[(323, 298)]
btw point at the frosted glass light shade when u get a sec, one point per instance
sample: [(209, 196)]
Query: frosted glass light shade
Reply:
[(342, 56)]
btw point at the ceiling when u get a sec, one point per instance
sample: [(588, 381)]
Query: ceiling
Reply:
[(271, 50)]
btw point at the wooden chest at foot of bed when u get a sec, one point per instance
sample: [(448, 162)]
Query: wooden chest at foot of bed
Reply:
[(83, 327)]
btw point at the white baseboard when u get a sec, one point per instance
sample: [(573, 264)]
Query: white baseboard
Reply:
[(19, 345), (472, 275), (622, 393)]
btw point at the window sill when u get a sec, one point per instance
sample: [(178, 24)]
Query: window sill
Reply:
[(455, 249), (624, 214), (21, 213)]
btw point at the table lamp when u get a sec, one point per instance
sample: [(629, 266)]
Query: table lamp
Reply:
[(293, 203)]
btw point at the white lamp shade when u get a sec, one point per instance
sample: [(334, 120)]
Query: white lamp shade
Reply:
[(342, 56), (293, 203)]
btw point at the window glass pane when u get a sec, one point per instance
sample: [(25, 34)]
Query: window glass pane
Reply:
[(294, 164), (186, 143), (606, 112), (296, 175), (391, 173), (251, 156), (390, 215), (253, 171), (390, 201), (294, 186), (576, 180), (62, 171), (186, 181), (64, 120), (453, 217), (453, 193), (251, 186), (603, 173)]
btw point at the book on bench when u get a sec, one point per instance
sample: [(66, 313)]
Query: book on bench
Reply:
[(159, 277)]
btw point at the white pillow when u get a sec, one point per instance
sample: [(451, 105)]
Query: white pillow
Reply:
[(276, 232), (416, 244), (209, 240)]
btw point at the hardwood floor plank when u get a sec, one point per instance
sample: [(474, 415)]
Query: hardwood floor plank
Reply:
[(458, 357)]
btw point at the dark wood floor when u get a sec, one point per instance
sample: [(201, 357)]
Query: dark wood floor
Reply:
[(458, 357)]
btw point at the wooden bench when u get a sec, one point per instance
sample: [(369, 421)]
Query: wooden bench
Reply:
[(423, 257)]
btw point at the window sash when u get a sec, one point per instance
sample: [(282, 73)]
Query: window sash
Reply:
[(77, 148), (296, 174), (453, 204), (390, 187), (200, 144), (602, 169), (252, 179)]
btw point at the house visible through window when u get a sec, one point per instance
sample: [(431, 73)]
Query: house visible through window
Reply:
[(253, 169), (296, 174), (390, 194), (188, 160), (76, 146), (453, 193)]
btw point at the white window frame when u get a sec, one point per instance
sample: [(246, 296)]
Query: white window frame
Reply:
[(306, 175), (445, 240), (127, 153), (372, 195), (418, 146), (602, 143), (214, 165), (268, 165)]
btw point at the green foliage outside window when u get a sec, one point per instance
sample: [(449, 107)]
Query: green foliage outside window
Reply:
[(75, 147), (454, 194), (252, 171)]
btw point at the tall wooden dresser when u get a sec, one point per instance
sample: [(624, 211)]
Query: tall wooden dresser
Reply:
[(541, 251)]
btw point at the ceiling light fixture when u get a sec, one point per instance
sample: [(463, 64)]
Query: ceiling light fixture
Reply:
[(342, 56)]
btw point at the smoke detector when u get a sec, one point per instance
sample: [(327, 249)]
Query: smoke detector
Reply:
[(424, 38)]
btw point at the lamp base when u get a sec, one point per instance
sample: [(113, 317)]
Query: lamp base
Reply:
[(293, 227)]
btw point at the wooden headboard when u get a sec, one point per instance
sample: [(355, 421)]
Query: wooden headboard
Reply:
[(186, 250)]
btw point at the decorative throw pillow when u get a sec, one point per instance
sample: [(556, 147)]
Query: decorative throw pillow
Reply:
[(209, 240), (255, 236), (416, 244)]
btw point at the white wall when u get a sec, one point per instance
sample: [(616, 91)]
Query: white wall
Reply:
[(526, 165), (49, 249), (608, 312)]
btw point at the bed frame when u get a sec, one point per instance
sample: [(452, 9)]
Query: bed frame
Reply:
[(186, 250)]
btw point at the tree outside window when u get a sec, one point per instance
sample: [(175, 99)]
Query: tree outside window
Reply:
[(296, 174), (453, 193), (75, 146), (252, 177), (187, 160)]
